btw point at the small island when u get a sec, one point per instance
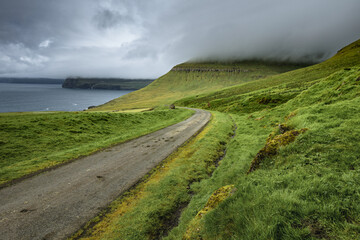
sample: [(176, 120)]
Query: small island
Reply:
[(106, 83)]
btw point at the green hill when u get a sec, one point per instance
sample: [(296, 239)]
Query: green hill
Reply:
[(189, 79), (289, 83), (290, 171)]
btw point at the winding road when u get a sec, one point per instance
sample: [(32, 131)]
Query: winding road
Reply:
[(55, 204)]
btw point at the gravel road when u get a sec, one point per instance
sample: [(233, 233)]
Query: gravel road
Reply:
[(55, 204)]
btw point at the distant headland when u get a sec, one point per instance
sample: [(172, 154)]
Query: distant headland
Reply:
[(106, 83), (31, 80)]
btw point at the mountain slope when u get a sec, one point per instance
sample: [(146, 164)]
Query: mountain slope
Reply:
[(189, 79), (305, 189), (294, 160), (289, 83)]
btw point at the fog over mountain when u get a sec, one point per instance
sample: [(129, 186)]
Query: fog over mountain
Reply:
[(145, 38)]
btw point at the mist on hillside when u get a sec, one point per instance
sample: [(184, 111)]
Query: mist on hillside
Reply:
[(277, 30), (144, 39)]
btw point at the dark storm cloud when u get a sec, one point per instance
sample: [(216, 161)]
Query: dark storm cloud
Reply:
[(114, 14), (142, 38)]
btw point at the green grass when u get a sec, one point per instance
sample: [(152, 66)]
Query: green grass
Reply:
[(308, 190), (178, 84), (30, 142), (305, 188)]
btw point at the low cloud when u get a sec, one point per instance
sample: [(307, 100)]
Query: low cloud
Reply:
[(16, 58)]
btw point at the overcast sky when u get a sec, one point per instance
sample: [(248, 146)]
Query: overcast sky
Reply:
[(145, 38)]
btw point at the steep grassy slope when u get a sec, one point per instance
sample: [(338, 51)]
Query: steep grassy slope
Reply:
[(290, 83), (300, 188), (192, 79), (307, 189)]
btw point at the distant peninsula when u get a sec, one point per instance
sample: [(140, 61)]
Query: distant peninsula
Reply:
[(31, 80), (106, 83)]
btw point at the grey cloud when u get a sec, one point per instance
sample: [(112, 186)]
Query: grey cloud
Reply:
[(281, 30), (142, 38), (17, 58), (107, 19), (112, 14)]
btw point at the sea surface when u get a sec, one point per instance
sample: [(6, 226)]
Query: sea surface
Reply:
[(16, 97)]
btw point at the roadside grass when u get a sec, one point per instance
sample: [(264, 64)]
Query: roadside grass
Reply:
[(136, 110), (150, 209), (30, 142), (307, 190), (195, 79)]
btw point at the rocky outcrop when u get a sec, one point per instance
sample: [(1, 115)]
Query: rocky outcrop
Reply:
[(179, 69)]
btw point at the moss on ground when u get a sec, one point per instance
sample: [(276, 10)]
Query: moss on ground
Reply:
[(273, 143), (215, 199)]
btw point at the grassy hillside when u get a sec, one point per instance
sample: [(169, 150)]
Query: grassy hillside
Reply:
[(196, 78), (290, 84), (300, 188), (290, 172)]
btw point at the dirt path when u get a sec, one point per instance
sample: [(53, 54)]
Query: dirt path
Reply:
[(55, 204)]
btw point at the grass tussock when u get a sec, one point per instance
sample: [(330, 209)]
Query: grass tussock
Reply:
[(272, 145), (31, 142), (215, 199)]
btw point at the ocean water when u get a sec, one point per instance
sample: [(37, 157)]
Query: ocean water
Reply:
[(15, 97)]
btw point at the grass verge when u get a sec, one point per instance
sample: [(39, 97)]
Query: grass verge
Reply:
[(30, 142)]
